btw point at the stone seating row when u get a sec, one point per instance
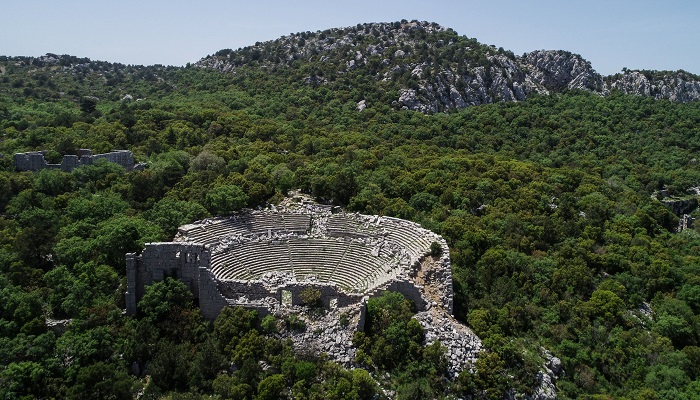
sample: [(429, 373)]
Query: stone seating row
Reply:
[(345, 263), (407, 235), (343, 225), (318, 257), (249, 259), (261, 257), (360, 259), (262, 223), (228, 266), (259, 224), (410, 237), (296, 222), (384, 271), (212, 233)]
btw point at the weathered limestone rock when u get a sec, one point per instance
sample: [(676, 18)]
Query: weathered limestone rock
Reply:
[(407, 98), (559, 70), (685, 222), (675, 86), (58, 326)]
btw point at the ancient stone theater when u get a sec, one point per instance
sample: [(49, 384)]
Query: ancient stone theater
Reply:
[(264, 259)]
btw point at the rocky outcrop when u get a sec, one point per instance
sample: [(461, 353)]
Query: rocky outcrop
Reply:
[(561, 70), (504, 80), (546, 378), (58, 326), (681, 206), (675, 86)]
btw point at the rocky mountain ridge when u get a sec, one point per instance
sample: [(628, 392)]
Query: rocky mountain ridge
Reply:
[(414, 65), (433, 69)]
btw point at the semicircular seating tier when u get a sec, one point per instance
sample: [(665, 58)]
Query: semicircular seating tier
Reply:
[(353, 251)]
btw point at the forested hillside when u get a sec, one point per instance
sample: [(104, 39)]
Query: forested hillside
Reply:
[(550, 205)]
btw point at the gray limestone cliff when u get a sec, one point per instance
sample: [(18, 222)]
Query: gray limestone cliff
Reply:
[(560, 70), (675, 86)]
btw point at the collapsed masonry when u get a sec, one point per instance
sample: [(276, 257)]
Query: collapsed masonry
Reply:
[(36, 160)]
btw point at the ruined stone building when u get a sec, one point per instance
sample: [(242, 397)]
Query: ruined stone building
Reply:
[(264, 259), (36, 161)]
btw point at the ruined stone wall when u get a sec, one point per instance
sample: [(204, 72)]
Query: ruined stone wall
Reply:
[(246, 291), (329, 293), (407, 288), (133, 264), (211, 301), (32, 161), (257, 291), (161, 260), (363, 314), (442, 277), (122, 157), (35, 160), (69, 163)]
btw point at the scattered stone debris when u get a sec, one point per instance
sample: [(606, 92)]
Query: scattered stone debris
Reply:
[(461, 343), (328, 332)]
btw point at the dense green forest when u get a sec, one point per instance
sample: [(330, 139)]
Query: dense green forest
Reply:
[(550, 207)]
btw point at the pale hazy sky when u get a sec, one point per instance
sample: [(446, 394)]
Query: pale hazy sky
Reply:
[(640, 34)]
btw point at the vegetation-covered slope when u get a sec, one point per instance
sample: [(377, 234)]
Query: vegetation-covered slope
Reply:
[(547, 204), (425, 67)]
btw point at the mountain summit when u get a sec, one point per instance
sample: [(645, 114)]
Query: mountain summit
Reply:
[(429, 68)]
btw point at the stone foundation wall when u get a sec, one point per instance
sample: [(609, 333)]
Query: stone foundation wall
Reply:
[(122, 157), (329, 293), (32, 161), (443, 277), (407, 288), (256, 291), (132, 268), (211, 301)]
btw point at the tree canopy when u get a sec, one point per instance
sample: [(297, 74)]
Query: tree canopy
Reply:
[(550, 207)]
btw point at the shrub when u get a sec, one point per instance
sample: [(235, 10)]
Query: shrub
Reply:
[(223, 200), (344, 319), (435, 249), (295, 323), (269, 324), (310, 296)]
